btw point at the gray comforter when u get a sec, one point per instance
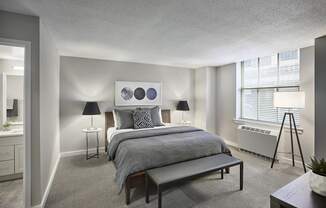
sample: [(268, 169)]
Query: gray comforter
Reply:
[(145, 149)]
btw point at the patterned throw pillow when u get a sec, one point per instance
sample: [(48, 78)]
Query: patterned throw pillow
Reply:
[(155, 115), (142, 119)]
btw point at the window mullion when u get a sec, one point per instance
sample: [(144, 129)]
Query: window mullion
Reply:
[(258, 91), (278, 69), (277, 109), (257, 103), (242, 86), (258, 71)]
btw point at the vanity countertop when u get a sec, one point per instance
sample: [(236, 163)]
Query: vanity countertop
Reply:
[(11, 133)]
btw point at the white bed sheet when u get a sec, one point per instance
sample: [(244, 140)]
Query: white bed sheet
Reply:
[(114, 131)]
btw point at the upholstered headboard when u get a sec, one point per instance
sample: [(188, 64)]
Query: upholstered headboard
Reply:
[(109, 121)]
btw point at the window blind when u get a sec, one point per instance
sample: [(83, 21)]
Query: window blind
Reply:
[(263, 76)]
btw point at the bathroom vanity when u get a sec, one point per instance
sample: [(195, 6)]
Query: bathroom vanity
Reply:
[(11, 154), (11, 120)]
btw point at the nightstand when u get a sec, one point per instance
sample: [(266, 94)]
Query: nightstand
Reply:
[(92, 131)]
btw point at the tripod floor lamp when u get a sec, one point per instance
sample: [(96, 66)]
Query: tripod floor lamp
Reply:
[(289, 100)]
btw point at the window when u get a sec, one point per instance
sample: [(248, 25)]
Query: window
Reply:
[(263, 76)]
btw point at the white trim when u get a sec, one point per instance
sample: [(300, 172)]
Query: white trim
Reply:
[(28, 116), (240, 121), (61, 155), (80, 152), (286, 160), (281, 159), (37, 206), (49, 185), (232, 144)]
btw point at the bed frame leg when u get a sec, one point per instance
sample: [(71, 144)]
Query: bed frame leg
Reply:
[(227, 170), (127, 192)]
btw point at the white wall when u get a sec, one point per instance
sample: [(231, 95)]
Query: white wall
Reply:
[(84, 80), (307, 80), (26, 28), (200, 97), (226, 102), (226, 106), (320, 70), (211, 99), (49, 106), (205, 98), (44, 96)]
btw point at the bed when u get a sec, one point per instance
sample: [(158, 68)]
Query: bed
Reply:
[(134, 151)]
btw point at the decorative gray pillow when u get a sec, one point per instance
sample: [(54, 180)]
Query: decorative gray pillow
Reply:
[(142, 119), (123, 119), (155, 115)]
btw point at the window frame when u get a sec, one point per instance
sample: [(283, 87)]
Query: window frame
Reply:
[(276, 88)]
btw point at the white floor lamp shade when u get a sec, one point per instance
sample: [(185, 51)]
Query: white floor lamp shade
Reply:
[(289, 99)]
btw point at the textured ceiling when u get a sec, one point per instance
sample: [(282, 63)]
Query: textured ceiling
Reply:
[(188, 33)]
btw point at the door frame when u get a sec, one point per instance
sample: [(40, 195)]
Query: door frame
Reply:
[(27, 114)]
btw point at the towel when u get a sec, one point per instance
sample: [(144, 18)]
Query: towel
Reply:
[(14, 111), (10, 104)]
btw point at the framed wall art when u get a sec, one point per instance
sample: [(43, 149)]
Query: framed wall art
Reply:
[(137, 93)]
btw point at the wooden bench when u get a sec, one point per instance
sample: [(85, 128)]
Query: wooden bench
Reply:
[(164, 177)]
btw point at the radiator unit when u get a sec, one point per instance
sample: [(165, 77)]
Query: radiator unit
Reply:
[(257, 140)]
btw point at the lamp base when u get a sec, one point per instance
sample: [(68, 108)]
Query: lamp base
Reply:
[(92, 124), (185, 122), (291, 119)]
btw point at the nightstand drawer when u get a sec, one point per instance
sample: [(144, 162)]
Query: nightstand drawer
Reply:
[(7, 167), (7, 153)]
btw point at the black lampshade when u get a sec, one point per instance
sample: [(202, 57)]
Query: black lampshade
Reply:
[(183, 105), (91, 108)]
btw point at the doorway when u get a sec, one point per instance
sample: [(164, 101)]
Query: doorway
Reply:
[(15, 128)]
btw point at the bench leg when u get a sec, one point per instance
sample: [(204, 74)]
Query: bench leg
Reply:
[(222, 174), (241, 175), (146, 189), (159, 197)]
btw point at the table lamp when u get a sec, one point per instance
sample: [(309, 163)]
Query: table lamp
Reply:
[(183, 106), (91, 108)]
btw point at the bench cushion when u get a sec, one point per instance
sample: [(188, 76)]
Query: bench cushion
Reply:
[(191, 168)]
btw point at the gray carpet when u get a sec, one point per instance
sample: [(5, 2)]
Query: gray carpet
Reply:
[(79, 184), (11, 194)]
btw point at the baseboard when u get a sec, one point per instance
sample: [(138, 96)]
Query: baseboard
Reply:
[(48, 187), (62, 154), (283, 159), (286, 160), (232, 144), (80, 152)]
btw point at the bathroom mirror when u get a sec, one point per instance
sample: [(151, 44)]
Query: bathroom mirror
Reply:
[(11, 99), (15, 99)]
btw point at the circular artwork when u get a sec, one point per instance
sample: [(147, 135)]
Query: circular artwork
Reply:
[(151, 93), (139, 93), (126, 93)]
